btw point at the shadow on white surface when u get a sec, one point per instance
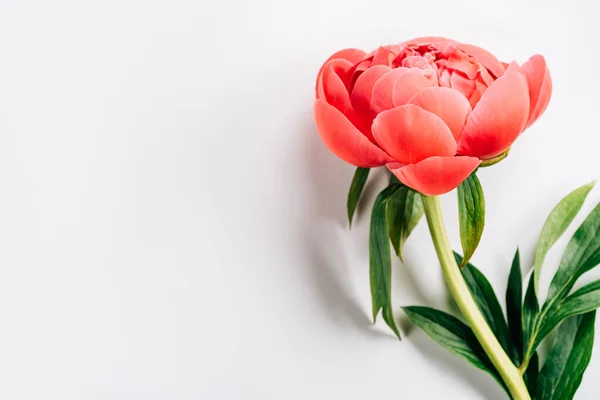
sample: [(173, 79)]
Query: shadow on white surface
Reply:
[(449, 363), (329, 273)]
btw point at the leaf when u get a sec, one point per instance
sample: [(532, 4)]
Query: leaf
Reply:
[(381, 260), (404, 211), (581, 255), (486, 300), (568, 358), (531, 309), (471, 215), (582, 301), (356, 188), (558, 221), (590, 287), (514, 307), (451, 333), (532, 373)]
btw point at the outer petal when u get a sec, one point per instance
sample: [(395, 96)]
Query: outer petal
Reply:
[(343, 139), (335, 91), (435, 175), (540, 86), (513, 67), (361, 95), (484, 57), (448, 104), (410, 83), (351, 55), (339, 67), (498, 118), (381, 98), (363, 88), (410, 134)]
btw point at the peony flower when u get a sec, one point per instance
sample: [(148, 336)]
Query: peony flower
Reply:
[(430, 109)]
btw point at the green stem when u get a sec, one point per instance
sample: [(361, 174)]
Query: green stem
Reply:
[(462, 295)]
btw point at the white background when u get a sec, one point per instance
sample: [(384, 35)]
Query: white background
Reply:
[(171, 226)]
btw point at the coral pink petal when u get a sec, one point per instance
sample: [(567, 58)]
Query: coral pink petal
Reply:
[(410, 134), (540, 86), (498, 118), (448, 104), (484, 57), (339, 66), (344, 140), (513, 67), (381, 98), (460, 82), (335, 91), (436, 175), (363, 88), (361, 97), (385, 55), (353, 56), (410, 83)]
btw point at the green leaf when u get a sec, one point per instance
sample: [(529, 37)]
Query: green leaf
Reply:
[(568, 358), (404, 211), (582, 301), (581, 255), (451, 333), (531, 310), (471, 215), (486, 300), (532, 373), (514, 306), (590, 287), (356, 188), (381, 260), (558, 221)]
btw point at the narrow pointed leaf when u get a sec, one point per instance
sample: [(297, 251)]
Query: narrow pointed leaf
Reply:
[(356, 188), (581, 255), (454, 335), (486, 300), (404, 211), (514, 307), (590, 287), (381, 260), (568, 358), (531, 309), (471, 215), (582, 301), (558, 221)]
